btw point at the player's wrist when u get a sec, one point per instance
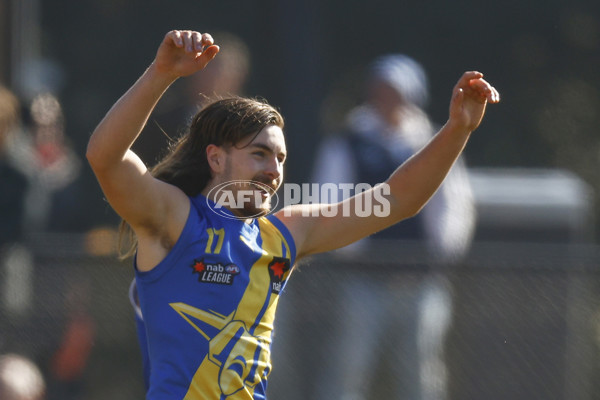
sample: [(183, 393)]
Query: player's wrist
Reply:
[(457, 128), (160, 75)]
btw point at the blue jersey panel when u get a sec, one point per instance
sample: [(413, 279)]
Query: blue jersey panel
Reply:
[(209, 306)]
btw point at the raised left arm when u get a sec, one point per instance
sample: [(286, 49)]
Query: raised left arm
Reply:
[(322, 227)]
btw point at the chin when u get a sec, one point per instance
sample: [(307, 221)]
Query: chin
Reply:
[(258, 212), (253, 212)]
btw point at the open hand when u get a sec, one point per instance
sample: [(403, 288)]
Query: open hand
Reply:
[(469, 99), (183, 52)]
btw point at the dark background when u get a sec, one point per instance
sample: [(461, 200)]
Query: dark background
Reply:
[(308, 58)]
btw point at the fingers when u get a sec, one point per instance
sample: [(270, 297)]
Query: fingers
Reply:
[(468, 76), (494, 95), (211, 52), (475, 87), (190, 41), (457, 97), (484, 90)]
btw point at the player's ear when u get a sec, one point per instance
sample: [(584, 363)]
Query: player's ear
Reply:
[(216, 158)]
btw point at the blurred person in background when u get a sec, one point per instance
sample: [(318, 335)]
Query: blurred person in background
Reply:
[(410, 314), (16, 261), (20, 379), (43, 152), (36, 163), (13, 182)]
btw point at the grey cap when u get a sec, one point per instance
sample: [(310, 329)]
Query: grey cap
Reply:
[(403, 74)]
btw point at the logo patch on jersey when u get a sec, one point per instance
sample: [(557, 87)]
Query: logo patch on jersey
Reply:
[(215, 273), (278, 269)]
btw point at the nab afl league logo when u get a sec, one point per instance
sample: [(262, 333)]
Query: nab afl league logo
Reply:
[(278, 271), (215, 273)]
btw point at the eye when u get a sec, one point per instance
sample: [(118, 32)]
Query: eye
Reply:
[(259, 153)]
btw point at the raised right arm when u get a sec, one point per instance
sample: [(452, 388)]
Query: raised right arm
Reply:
[(147, 204)]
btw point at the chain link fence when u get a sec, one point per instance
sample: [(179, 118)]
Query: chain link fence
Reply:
[(524, 323), (524, 320), (518, 318)]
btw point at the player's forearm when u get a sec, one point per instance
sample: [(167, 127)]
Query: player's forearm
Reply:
[(125, 120), (415, 181)]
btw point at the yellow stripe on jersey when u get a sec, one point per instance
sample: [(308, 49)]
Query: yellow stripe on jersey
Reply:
[(239, 355)]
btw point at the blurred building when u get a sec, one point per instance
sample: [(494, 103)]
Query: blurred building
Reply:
[(532, 205)]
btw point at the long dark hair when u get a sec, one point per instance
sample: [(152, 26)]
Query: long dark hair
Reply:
[(222, 122)]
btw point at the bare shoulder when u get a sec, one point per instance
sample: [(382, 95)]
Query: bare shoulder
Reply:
[(158, 234), (166, 205), (297, 219)]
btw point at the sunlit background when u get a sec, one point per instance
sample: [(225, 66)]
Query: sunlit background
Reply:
[(526, 319)]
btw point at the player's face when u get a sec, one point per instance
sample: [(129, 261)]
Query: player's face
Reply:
[(258, 164)]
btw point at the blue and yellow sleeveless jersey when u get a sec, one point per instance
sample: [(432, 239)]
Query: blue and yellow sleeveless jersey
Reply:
[(209, 307)]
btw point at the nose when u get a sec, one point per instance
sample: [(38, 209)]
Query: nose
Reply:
[(274, 168)]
